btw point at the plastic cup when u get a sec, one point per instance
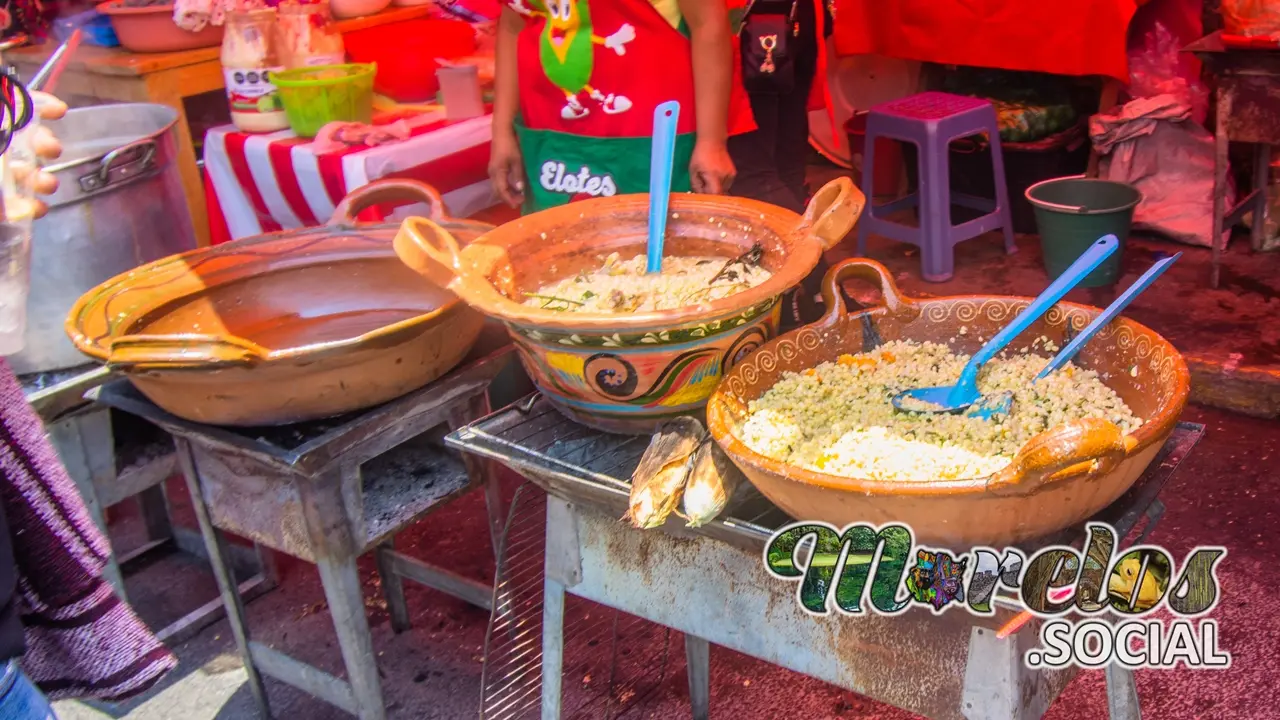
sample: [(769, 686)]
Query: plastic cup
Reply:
[(17, 199), (460, 91)]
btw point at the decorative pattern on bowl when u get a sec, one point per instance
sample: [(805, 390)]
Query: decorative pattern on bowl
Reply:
[(627, 372), (1059, 478), (607, 382)]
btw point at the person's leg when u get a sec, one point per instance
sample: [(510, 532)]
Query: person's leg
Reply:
[(19, 697), (754, 156), (792, 151), (792, 144)]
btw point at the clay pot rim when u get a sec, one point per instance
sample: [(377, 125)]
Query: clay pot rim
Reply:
[(343, 223), (117, 7), (471, 277), (719, 420)]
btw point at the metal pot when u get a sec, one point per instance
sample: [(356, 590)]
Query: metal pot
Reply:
[(120, 204)]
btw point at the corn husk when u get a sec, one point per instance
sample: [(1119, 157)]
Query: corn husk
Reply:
[(710, 486), (659, 479)]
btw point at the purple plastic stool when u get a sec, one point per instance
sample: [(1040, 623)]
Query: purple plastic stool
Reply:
[(932, 120)]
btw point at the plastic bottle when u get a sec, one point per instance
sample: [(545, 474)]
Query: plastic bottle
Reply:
[(308, 36), (250, 54)]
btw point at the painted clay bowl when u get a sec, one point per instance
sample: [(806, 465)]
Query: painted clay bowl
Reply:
[(626, 373), (1059, 478), (286, 327)]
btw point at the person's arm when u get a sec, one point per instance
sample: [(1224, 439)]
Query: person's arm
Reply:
[(506, 165), (711, 170)]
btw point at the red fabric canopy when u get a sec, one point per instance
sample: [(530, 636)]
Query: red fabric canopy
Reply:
[(1066, 37)]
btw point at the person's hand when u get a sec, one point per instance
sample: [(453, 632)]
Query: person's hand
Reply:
[(506, 168), (711, 170), (45, 146)]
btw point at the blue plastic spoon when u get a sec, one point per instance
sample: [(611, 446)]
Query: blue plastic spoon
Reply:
[(955, 398), (665, 117), (1001, 404)]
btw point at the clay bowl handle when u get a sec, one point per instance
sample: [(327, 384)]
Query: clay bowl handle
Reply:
[(870, 270), (1040, 461), (387, 191), (833, 212), (182, 352), (428, 248), (420, 242)]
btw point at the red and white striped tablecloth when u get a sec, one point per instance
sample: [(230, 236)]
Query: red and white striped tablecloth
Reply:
[(265, 183)]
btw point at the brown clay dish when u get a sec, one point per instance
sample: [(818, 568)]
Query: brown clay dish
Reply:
[(150, 28), (628, 372), (1061, 477), (286, 327)]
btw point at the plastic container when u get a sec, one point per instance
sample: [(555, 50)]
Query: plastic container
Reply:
[(250, 58), (406, 54), (460, 91), (314, 97), (151, 30), (1073, 212), (95, 26), (18, 166), (308, 36)]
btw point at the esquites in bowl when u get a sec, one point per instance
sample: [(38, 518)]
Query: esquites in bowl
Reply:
[(806, 417), (610, 346)]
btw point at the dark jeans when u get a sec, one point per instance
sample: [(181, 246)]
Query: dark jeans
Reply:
[(771, 161), (771, 165)]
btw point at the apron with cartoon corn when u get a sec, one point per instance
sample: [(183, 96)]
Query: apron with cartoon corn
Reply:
[(591, 74)]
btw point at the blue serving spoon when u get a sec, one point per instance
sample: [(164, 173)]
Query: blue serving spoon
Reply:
[(1002, 403), (665, 117), (958, 397)]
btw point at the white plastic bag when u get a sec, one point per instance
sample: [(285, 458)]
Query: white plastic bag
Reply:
[(1152, 144), (1156, 68)]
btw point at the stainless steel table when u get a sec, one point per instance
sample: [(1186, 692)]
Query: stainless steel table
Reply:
[(710, 585)]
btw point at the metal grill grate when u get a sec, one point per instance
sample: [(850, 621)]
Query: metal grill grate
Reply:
[(613, 661)]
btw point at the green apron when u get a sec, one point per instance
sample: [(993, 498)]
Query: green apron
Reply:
[(592, 72), (561, 167)]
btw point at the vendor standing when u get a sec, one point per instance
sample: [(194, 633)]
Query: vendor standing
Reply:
[(783, 51), (577, 84)]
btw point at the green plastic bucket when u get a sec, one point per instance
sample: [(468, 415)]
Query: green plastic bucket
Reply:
[(1072, 213)]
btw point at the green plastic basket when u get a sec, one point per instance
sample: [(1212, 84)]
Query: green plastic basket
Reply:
[(316, 96)]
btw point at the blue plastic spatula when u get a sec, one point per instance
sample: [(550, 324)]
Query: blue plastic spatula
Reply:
[(665, 117), (1002, 403), (958, 397)]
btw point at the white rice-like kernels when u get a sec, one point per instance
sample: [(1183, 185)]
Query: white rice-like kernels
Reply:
[(837, 418), (624, 286)]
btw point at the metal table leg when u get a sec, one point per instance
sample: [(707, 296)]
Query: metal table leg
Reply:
[(477, 467), (336, 552), (1122, 694), (552, 647), (392, 586), (219, 558), (697, 654), (1220, 186), (84, 443), (1261, 186)]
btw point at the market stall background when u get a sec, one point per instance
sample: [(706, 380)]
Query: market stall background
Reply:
[(278, 181), (275, 181)]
